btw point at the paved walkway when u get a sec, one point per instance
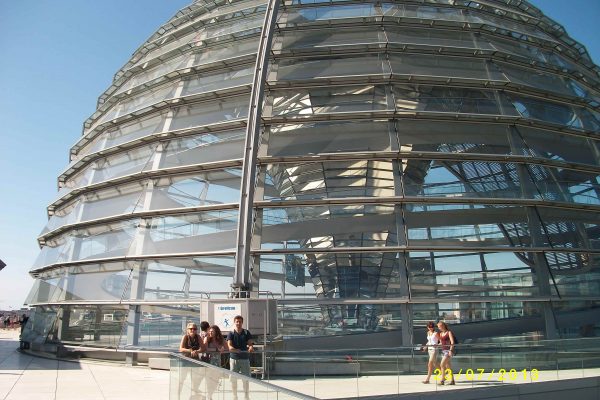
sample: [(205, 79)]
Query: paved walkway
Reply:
[(24, 377)]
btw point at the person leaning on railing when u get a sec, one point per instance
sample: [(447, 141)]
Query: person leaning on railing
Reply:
[(192, 344), (240, 344), (215, 345)]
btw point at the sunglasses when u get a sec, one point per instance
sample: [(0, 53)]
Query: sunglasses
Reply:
[(193, 329)]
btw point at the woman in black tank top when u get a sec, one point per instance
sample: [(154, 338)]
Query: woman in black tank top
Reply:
[(191, 344)]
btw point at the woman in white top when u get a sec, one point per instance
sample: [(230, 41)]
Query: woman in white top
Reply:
[(433, 340)]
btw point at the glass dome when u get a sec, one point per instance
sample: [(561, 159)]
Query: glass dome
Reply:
[(372, 166)]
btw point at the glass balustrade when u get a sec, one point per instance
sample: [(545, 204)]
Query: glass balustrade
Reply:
[(331, 374)]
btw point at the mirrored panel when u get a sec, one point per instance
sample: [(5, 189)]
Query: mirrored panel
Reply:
[(370, 225), (338, 319), (127, 132), (332, 67), (456, 100), (325, 100), (162, 327), (573, 229), (556, 146), (94, 242), (72, 286), (203, 148), (221, 110), (457, 137), (207, 32), (97, 325), (191, 233), (207, 188), (329, 137), (305, 181), (331, 276), (187, 277), (455, 275), (467, 225), (436, 66)]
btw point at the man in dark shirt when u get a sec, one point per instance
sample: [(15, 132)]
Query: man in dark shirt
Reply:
[(240, 345)]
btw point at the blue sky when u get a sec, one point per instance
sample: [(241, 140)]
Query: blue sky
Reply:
[(57, 57)]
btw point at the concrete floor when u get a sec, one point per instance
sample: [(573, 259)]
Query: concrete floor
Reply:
[(24, 377)]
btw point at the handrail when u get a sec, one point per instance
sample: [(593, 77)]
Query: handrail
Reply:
[(587, 343)]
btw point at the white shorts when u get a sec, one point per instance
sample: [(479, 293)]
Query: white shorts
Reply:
[(432, 354)]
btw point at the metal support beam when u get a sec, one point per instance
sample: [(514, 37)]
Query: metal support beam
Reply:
[(246, 215), (139, 272), (542, 269)]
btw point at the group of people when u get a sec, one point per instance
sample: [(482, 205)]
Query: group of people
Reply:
[(12, 321), (209, 345), (445, 340)]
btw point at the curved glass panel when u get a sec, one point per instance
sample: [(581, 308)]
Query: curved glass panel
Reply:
[(458, 137), (296, 69), (467, 225), (213, 187), (195, 58), (306, 102), (442, 99), (450, 275), (204, 148), (92, 243), (221, 110), (163, 326), (207, 32), (208, 188), (555, 113), (216, 230), (347, 226), (108, 285), (329, 180), (92, 325), (187, 278), (340, 275), (442, 66), (124, 133), (330, 137), (340, 11)]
